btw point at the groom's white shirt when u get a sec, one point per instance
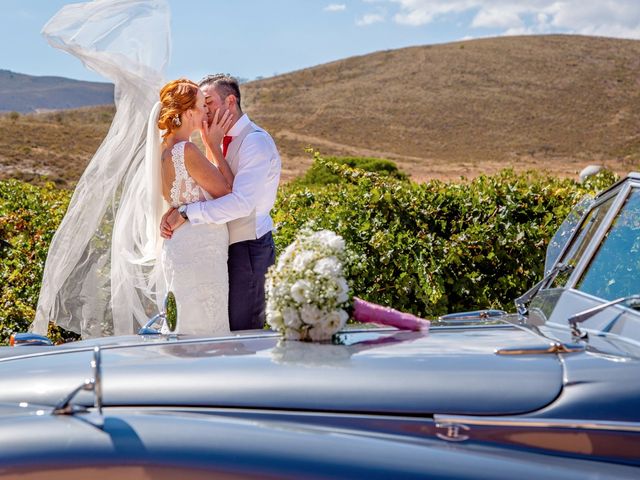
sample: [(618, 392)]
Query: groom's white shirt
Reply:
[(255, 184)]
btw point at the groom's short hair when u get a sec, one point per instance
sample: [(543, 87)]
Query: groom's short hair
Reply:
[(224, 84)]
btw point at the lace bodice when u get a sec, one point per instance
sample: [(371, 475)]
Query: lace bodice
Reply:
[(184, 188)]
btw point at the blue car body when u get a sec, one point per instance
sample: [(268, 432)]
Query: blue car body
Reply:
[(552, 391)]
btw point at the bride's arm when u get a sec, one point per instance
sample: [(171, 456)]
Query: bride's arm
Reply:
[(212, 138), (206, 174)]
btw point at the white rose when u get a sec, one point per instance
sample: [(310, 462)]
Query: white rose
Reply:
[(302, 261), (310, 314), (336, 320), (299, 290), (291, 318), (328, 267), (275, 319)]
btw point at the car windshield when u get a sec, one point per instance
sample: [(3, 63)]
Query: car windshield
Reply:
[(614, 270), (581, 241), (566, 230)]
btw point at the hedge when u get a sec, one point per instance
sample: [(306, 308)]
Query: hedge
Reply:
[(427, 248)]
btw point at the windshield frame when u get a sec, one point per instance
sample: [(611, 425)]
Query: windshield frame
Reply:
[(621, 191)]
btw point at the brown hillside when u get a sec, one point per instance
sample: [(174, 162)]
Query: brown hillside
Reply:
[(551, 102), (53, 146)]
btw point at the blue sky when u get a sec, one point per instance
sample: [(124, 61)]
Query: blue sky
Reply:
[(251, 38)]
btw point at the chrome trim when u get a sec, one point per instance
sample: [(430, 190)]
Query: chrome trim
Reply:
[(96, 364), (574, 320), (596, 425), (66, 407), (267, 334), (478, 315), (596, 241), (452, 431), (551, 348), (30, 339), (148, 327)]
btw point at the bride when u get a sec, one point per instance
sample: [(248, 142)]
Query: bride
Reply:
[(104, 271), (194, 260)]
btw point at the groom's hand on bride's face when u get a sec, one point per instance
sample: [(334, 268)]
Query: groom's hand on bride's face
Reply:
[(170, 221)]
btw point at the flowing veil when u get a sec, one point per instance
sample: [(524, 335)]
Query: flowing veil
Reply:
[(101, 276)]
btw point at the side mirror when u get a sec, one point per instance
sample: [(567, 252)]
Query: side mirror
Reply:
[(169, 317), (171, 312)]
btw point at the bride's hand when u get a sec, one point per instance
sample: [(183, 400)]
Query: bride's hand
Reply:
[(213, 134)]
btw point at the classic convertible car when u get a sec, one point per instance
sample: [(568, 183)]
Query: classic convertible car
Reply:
[(551, 391)]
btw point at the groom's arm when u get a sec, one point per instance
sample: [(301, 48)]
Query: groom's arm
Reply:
[(253, 170)]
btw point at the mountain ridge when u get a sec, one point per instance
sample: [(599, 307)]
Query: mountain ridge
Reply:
[(555, 103), (24, 93)]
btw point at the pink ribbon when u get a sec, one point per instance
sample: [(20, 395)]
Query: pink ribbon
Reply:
[(367, 312)]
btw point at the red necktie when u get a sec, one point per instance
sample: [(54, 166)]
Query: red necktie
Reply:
[(225, 144)]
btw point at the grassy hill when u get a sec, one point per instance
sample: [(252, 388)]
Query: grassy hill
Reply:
[(548, 102), (54, 146), (553, 102)]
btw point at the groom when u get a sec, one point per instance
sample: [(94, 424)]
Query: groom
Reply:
[(255, 162)]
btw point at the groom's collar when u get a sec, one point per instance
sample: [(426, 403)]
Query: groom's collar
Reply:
[(242, 122)]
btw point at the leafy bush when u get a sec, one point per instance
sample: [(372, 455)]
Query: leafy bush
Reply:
[(29, 216), (425, 248), (319, 174), (436, 247)]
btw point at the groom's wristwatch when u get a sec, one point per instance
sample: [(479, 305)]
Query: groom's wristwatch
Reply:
[(182, 210)]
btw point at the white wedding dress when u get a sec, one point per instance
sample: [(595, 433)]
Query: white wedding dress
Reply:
[(194, 261), (107, 264)]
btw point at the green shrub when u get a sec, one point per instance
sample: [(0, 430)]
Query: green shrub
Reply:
[(29, 216), (319, 174), (425, 248), (436, 247)]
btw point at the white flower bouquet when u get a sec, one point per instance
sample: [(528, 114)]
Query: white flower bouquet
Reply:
[(306, 290)]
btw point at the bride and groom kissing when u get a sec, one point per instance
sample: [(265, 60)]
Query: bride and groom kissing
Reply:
[(115, 255), (217, 235)]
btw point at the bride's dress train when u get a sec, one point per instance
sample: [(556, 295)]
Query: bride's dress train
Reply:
[(194, 262)]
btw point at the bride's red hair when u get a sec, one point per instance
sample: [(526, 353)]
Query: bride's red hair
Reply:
[(176, 97)]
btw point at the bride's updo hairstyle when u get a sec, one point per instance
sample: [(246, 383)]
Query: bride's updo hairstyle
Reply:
[(176, 97)]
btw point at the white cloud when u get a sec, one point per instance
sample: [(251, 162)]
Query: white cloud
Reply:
[(335, 7), (497, 18), (615, 18), (369, 19)]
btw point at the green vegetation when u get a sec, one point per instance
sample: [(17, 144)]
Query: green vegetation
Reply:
[(436, 247), (320, 174), (424, 248), (29, 216)]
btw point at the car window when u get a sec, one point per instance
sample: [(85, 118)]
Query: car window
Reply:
[(614, 271), (566, 231), (582, 239)]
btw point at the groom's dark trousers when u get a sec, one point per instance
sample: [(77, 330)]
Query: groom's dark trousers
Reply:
[(248, 263)]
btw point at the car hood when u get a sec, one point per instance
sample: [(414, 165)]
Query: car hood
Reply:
[(448, 370)]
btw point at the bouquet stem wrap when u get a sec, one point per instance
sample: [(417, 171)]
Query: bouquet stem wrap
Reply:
[(367, 312)]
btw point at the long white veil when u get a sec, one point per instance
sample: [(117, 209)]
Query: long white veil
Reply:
[(100, 277)]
